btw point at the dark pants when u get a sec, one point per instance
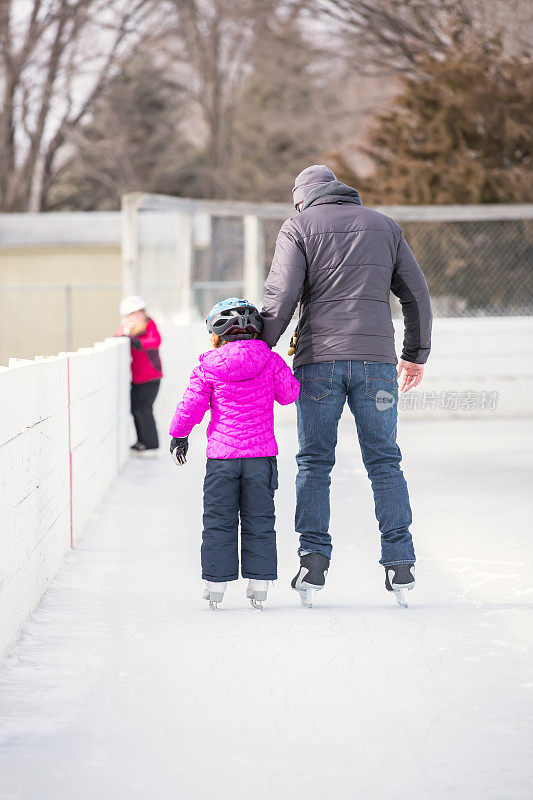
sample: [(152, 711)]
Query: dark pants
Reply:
[(142, 400), (242, 486)]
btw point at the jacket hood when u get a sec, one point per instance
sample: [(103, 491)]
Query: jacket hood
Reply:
[(309, 179), (331, 188), (236, 361)]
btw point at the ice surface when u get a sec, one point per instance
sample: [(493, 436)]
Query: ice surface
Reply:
[(124, 685)]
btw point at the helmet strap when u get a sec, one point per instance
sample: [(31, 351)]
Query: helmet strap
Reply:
[(236, 337)]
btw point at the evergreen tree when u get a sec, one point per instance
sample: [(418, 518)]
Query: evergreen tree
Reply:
[(461, 131)]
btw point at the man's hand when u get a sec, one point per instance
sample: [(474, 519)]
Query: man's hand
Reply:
[(178, 450), (409, 374)]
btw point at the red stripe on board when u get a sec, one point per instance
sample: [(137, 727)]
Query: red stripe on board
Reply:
[(69, 454)]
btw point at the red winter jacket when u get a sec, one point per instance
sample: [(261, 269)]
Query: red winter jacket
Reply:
[(145, 361)]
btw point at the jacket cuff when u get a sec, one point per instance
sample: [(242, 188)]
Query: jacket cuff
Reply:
[(180, 431), (420, 358)]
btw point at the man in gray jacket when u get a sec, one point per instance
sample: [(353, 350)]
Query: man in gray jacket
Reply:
[(341, 260)]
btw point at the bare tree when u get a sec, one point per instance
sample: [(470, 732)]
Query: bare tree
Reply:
[(396, 34), (56, 58), (212, 50), (133, 140), (216, 102)]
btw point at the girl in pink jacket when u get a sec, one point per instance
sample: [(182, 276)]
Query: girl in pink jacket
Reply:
[(238, 380)]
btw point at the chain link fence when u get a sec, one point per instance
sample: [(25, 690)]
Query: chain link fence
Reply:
[(476, 267), (218, 261), (186, 255)]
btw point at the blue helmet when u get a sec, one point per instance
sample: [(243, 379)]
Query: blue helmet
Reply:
[(233, 319)]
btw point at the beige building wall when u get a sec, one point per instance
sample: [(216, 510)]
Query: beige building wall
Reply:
[(33, 321)]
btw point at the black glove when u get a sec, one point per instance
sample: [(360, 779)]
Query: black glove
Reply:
[(136, 343), (178, 450)]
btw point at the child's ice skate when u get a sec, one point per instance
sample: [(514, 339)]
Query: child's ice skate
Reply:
[(214, 592), (400, 579), (311, 577), (257, 593)]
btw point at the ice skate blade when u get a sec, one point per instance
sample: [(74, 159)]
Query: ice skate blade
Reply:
[(401, 595), (307, 597), (257, 604), (213, 605)]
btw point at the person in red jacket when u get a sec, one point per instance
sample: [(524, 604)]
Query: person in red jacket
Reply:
[(146, 372)]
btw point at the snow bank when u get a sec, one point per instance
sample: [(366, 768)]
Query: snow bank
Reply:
[(64, 432)]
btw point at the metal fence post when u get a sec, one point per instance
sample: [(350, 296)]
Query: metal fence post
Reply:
[(130, 204), (254, 258), (184, 253), (68, 317)]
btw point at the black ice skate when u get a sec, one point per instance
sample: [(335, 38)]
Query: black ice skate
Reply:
[(311, 577), (400, 578)]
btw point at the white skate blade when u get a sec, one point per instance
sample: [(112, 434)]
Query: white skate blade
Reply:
[(401, 597), (307, 597), (307, 592), (214, 592), (214, 599), (400, 593), (256, 592)]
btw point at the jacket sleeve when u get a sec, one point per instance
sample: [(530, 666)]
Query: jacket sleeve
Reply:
[(151, 339), (191, 410), (409, 285), (286, 387), (284, 284)]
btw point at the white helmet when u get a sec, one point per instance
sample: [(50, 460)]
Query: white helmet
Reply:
[(130, 304)]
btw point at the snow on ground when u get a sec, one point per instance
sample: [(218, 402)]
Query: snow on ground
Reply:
[(124, 685)]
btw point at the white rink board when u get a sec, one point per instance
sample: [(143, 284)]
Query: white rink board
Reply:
[(71, 408), (468, 357)]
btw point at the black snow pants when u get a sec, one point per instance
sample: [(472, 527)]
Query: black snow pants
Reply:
[(242, 486), (142, 400)]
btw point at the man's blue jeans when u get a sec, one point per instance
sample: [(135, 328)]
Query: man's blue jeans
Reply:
[(371, 389)]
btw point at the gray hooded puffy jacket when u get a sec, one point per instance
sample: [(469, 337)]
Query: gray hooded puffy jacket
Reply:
[(341, 260)]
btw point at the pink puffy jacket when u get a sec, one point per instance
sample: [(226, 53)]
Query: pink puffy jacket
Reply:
[(239, 382)]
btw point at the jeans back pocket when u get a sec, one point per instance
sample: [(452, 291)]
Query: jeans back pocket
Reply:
[(316, 380), (380, 377)]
